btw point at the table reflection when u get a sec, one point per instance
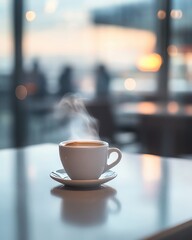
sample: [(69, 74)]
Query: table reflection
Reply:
[(151, 168), (21, 195), (87, 207)]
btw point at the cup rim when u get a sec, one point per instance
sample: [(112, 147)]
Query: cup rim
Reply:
[(64, 143)]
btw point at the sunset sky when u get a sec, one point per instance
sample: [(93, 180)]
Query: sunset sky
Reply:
[(64, 28)]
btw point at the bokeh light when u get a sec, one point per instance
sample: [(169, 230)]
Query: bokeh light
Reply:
[(21, 92), (176, 14), (172, 50), (147, 108), (161, 14), (51, 6), (173, 107), (150, 63), (130, 84), (30, 16)]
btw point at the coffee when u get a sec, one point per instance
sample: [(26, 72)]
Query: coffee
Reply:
[(84, 144)]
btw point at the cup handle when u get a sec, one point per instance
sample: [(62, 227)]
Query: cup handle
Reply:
[(117, 205), (115, 162)]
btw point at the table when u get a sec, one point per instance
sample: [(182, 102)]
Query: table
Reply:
[(154, 108), (162, 129), (149, 194)]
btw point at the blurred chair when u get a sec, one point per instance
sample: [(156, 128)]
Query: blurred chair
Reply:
[(35, 81), (101, 109), (66, 81), (102, 80), (166, 135)]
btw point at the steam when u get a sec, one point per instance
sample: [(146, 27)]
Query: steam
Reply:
[(75, 120)]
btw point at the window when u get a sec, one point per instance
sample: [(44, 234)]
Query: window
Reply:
[(83, 41), (180, 49), (6, 66)]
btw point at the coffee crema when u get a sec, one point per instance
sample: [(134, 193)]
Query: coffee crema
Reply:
[(84, 144)]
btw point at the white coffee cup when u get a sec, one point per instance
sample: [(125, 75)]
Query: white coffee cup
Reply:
[(86, 159)]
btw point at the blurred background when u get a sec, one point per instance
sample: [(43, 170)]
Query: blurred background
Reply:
[(129, 60)]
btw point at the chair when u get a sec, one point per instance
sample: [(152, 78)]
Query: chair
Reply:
[(166, 135), (101, 109)]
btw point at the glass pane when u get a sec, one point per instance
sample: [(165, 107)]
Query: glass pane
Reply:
[(180, 50), (6, 61), (92, 48)]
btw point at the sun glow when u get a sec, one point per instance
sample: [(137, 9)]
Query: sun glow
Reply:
[(150, 63)]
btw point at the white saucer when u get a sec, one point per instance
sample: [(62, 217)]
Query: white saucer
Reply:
[(62, 177)]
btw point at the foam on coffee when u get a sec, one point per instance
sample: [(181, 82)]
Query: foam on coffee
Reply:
[(84, 144)]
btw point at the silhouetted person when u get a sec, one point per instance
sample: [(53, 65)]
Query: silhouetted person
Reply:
[(102, 81), (35, 81), (65, 81)]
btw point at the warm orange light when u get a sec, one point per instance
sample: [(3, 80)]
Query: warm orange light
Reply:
[(21, 92), (176, 14), (130, 84), (172, 50), (31, 88), (173, 107), (30, 16), (151, 168), (161, 14), (150, 63), (147, 108), (188, 109), (188, 56)]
